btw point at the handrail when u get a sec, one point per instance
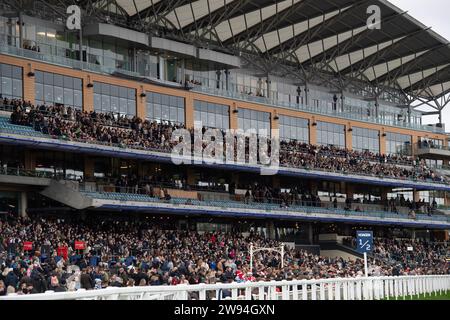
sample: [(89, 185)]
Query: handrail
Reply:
[(359, 288), (166, 151), (304, 206), (76, 64)]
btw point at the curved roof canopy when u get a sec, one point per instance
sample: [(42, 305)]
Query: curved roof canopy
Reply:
[(327, 35)]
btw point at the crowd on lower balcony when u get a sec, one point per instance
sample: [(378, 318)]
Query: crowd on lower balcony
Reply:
[(142, 253), (67, 123), (415, 254), (258, 193)]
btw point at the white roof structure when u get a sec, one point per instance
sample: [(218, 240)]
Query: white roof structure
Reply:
[(331, 36)]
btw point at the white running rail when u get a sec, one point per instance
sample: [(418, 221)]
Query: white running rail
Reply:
[(372, 288)]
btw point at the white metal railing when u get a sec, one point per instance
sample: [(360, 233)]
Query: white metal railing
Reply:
[(372, 288)]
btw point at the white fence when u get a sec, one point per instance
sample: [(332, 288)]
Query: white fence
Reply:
[(373, 288)]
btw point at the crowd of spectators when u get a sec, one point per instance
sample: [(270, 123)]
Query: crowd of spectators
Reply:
[(68, 123), (107, 128), (329, 158), (142, 253), (414, 256)]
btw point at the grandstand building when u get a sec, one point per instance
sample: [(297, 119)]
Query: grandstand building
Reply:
[(346, 99)]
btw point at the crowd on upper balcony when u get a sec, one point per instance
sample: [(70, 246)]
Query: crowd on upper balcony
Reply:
[(72, 124), (142, 253)]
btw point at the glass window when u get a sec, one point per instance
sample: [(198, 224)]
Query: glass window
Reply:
[(54, 88), (292, 128), (11, 82), (115, 99), (365, 140), (330, 134), (212, 115), (254, 120), (397, 143)]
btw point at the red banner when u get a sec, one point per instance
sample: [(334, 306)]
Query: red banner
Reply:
[(63, 252), (80, 245), (27, 245)]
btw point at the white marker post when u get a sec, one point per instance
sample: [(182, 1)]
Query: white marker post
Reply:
[(366, 270)]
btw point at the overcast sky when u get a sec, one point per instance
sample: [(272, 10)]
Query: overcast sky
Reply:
[(434, 14)]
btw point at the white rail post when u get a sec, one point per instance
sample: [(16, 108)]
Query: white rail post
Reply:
[(313, 292), (322, 291), (304, 291), (366, 269), (345, 286), (337, 290), (331, 287), (295, 292), (202, 292), (251, 256), (285, 290), (261, 293)]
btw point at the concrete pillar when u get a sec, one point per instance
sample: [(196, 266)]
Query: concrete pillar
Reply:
[(23, 205), (313, 131), (227, 80), (88, 167), (382, 142), (269, 86), (349, 191), (190, 176), (414, 142), (88, 94), (28, 84), (348, 136), (276, 181), (270, 230), (306, 94), (189, 111), (162, 68), (275, 125), (314, 187), (30, 160), (384, 194), (141, 103), (310, 234), (416, 196), (233, 117)]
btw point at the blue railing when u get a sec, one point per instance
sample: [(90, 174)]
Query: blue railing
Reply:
[(7, 127), (268, 207)]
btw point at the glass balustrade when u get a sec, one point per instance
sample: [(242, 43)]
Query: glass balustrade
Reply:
[(345, 111)]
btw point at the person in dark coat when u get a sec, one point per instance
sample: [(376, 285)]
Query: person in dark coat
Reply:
[(86, 281), (11, 279)]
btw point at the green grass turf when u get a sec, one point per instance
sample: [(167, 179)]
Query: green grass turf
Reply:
[(443, 296)]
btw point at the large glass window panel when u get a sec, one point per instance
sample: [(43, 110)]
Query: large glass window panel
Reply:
[(48, 94), (106, 103), (58, 95), (17, 88), (77, 99), (123, 105), (172, 108), (17, 73), (7, 86), (131, 107), (97, 102), (115, 104), (6, 70), (330, 134), (68, 97)]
